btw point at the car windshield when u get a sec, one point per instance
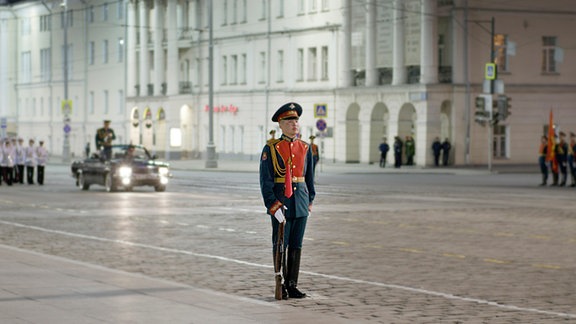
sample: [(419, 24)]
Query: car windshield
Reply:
[(122, 152)]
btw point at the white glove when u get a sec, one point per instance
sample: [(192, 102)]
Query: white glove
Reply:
[(280, 215)]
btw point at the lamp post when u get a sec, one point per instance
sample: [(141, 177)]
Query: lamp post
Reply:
[(66, 104), (211, 161)]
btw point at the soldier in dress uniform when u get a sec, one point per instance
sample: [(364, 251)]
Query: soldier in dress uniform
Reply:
[(42, 158), (104, 138), (562, 157), (30, 161), (571, 150), (8, 161), (287, 186), (542, 152)]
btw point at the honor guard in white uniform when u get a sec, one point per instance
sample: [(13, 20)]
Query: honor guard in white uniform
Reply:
[(30, 161), (8, 159), (41, 159), (20, 161)]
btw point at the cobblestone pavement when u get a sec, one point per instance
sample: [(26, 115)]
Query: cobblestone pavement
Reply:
[(416, 248)]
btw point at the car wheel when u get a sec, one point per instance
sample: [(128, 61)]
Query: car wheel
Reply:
[(160, 188), (109, 183), (82, 182)]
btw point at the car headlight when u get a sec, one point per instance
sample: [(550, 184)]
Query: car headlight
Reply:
[(163, 171), (125, 172)]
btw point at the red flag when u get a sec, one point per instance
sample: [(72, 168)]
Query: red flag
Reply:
[(551, 153)]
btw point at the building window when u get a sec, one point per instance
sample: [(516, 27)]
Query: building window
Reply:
[(234, 70), (264, 10), (70, 19), (224, 12), (312, 64), (45, 64), (500, 142), (106, 102), (120, 10), (300, 65), (301, 6), (45, 23), (280, 9), (548, 54), (120, 50), (105, 12), (91, 49), (500, 42), (313, 6), (324, 63), (120, 102), (224, 73), (90, 14), (262, 74), (105, 51), (324, 5), (244, 11), (91, 103), (243, 66), (25, 25), (234, 12), (26, 67), (280, 67)]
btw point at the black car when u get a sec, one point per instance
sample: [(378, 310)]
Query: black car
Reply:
[(129, 166)]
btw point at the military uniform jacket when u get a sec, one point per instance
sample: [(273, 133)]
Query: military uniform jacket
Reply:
[(104, 137), (297, 156)]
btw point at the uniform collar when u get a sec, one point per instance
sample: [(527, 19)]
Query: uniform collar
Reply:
[(287, 139)]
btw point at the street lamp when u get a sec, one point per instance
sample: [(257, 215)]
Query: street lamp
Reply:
[(211, 161), (66, 104)]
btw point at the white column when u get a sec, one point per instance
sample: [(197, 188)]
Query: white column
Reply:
[(144, 66), (428, 43), (5, 47), (131, 50), (159, 75), (371, 70), (346, 45), (398, 68), (172, 58)]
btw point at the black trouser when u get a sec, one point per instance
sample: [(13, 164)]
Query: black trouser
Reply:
[(40, 174), (30, 174), (7, 173), (20, 172)]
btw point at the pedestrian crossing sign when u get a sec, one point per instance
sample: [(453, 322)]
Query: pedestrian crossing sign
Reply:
[(320, 111)]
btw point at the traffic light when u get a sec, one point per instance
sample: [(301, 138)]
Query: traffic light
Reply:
[(503, 105), (483, 103)]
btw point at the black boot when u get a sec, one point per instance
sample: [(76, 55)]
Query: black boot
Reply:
[(554, 179), (544, 180), (293, 268), (563, 183), (573, 180)]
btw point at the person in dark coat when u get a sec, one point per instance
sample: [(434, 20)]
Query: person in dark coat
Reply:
[(542, 152), (436, 150), (446, 146), (287, 187), (384, 148), (397, 152)]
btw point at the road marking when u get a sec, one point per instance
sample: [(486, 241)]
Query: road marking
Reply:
[(496, 261), (411, 250), (453, 255), (316, 274), (547, 266), (340, 243)]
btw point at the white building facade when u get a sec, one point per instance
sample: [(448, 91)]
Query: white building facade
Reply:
[(362, 69)]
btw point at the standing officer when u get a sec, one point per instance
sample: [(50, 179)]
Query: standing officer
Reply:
[(446, 146), (562, 157), (410, 150), (104, 138), (543, 151), (397, 152), (287, 186), (436, 150), (384, 148), (8, 161)]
